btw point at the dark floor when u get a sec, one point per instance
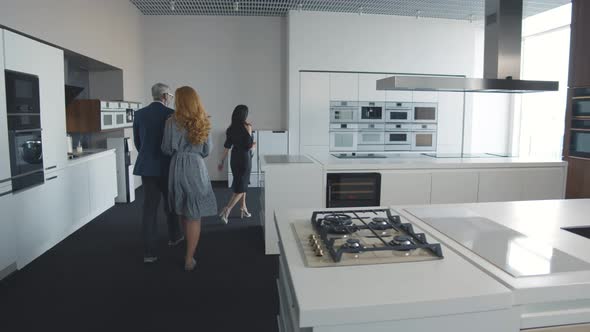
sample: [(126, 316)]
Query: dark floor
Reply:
[(95, 280)]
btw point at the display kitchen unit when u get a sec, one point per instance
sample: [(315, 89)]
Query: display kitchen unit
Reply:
[(488, 266)]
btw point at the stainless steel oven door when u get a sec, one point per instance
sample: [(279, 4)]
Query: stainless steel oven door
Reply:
[(425, 112), (343, 137)]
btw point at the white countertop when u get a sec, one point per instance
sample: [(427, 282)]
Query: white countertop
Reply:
[(416, 161), (92, 154), (369, 293), (566, 293)]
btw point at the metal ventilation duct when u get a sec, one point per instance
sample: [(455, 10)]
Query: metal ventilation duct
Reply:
[(502, 57)]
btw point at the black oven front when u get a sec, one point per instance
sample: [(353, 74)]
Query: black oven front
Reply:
[(24, 130)]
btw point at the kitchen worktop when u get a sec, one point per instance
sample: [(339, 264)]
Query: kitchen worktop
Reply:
[(89, 154), (419, 161), (385, 292), (566, 293)]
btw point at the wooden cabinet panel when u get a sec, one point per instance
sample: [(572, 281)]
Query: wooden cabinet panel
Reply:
[(579, 75), (83, 116), (578, 178)]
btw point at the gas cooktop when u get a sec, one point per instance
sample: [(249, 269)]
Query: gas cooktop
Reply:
[(360, 237)]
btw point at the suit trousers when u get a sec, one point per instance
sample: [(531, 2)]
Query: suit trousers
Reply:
[(156, 187)]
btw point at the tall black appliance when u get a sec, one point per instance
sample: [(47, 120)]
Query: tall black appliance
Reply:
[(24, 130)]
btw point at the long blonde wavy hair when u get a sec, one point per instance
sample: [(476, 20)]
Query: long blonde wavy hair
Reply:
[(191, 115)]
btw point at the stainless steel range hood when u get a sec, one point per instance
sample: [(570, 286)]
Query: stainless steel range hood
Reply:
[(502, 54)]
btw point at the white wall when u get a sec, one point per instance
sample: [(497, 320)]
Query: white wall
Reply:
[(375, 43), (228, 60), (106, 30)]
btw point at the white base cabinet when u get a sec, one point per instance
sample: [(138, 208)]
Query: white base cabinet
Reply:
[(4, 150), (471, 185), (71, 197), (7, 234)]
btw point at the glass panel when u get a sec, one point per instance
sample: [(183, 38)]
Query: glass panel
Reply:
[(398, 137), (398, 115), (580, 124), (120, 119), (107, 119), (23, 89), (425, 113), (424, 140), (581, 107), (580, 145)]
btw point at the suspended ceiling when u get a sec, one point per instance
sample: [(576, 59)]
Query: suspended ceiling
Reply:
[(450, 9)]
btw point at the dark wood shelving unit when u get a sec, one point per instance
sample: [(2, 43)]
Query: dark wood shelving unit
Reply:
[(578, 178)]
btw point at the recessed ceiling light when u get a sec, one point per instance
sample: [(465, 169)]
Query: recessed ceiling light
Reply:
[(236, 6), (172, 3)]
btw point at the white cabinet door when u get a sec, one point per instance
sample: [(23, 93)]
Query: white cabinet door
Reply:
[(315, 109), (4, 150), (425, 96), (405, 187), (7, 232), (102, 182), (78, 179), (368, 87), (500, 185), (343, 86), (544, 183), (399, 96), (454, 187), (28, 56)]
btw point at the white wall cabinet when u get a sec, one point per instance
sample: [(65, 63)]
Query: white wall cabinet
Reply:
[(454, 187), (368, 87), (425, 96), (28, 56), (343, 86), (315, 109), (399, 96), (405, 187), (4, 149)]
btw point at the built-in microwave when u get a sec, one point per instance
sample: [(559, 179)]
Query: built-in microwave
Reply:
[(424, 112), (398, 112), (371, 112), (343, 111)]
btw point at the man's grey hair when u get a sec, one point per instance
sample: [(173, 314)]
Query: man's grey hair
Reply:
[(159, 90)]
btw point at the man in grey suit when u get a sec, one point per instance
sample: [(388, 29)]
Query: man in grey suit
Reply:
[(152, 165)]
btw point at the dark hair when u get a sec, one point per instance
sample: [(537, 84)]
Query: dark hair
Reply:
[(239, 116)]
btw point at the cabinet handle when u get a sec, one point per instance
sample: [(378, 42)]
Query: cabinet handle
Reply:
[(5, 180), (51, 167), (51, 178), (6, 193)]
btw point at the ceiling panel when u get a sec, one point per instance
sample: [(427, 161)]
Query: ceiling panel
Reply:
[(450, 9)]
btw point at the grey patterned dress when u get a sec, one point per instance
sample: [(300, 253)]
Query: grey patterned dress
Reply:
[(189, 188)]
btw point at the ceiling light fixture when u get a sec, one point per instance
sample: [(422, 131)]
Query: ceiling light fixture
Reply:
[(172, 3), (236, 6), (300, 6), (361, 10), (418, 14)]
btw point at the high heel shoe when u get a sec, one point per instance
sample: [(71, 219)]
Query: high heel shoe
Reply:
[(245, 213), (224, 214), (190, 266)]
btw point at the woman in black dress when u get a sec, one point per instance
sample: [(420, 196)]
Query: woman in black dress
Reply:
[(239, 139)]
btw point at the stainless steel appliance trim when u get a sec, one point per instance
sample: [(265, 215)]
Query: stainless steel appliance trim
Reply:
[(5, 180), (51, 178), (22, 114), (51, 167)]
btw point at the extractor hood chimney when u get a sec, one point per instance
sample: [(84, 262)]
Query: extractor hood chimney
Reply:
[(502, 54)]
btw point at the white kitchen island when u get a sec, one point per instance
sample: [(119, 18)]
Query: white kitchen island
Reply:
[(461, 292), (411, 179)]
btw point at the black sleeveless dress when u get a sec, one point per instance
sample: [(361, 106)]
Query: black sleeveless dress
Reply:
[(240, 143)]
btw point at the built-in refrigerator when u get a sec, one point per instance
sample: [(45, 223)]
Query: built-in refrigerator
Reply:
[(268, 142)]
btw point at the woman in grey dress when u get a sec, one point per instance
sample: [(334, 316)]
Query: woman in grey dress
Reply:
[(187, 140)]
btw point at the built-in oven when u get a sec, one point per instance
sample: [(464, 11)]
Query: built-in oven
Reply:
[(398, 137), (424, 137), (24, 130), (580, 138), (344, 111), (343, 137), (371, 136), (581, 102), (425, 112), (398, 112), (371, 112), (353, 189)]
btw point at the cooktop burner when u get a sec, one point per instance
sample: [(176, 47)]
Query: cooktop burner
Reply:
[(362, 231)]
